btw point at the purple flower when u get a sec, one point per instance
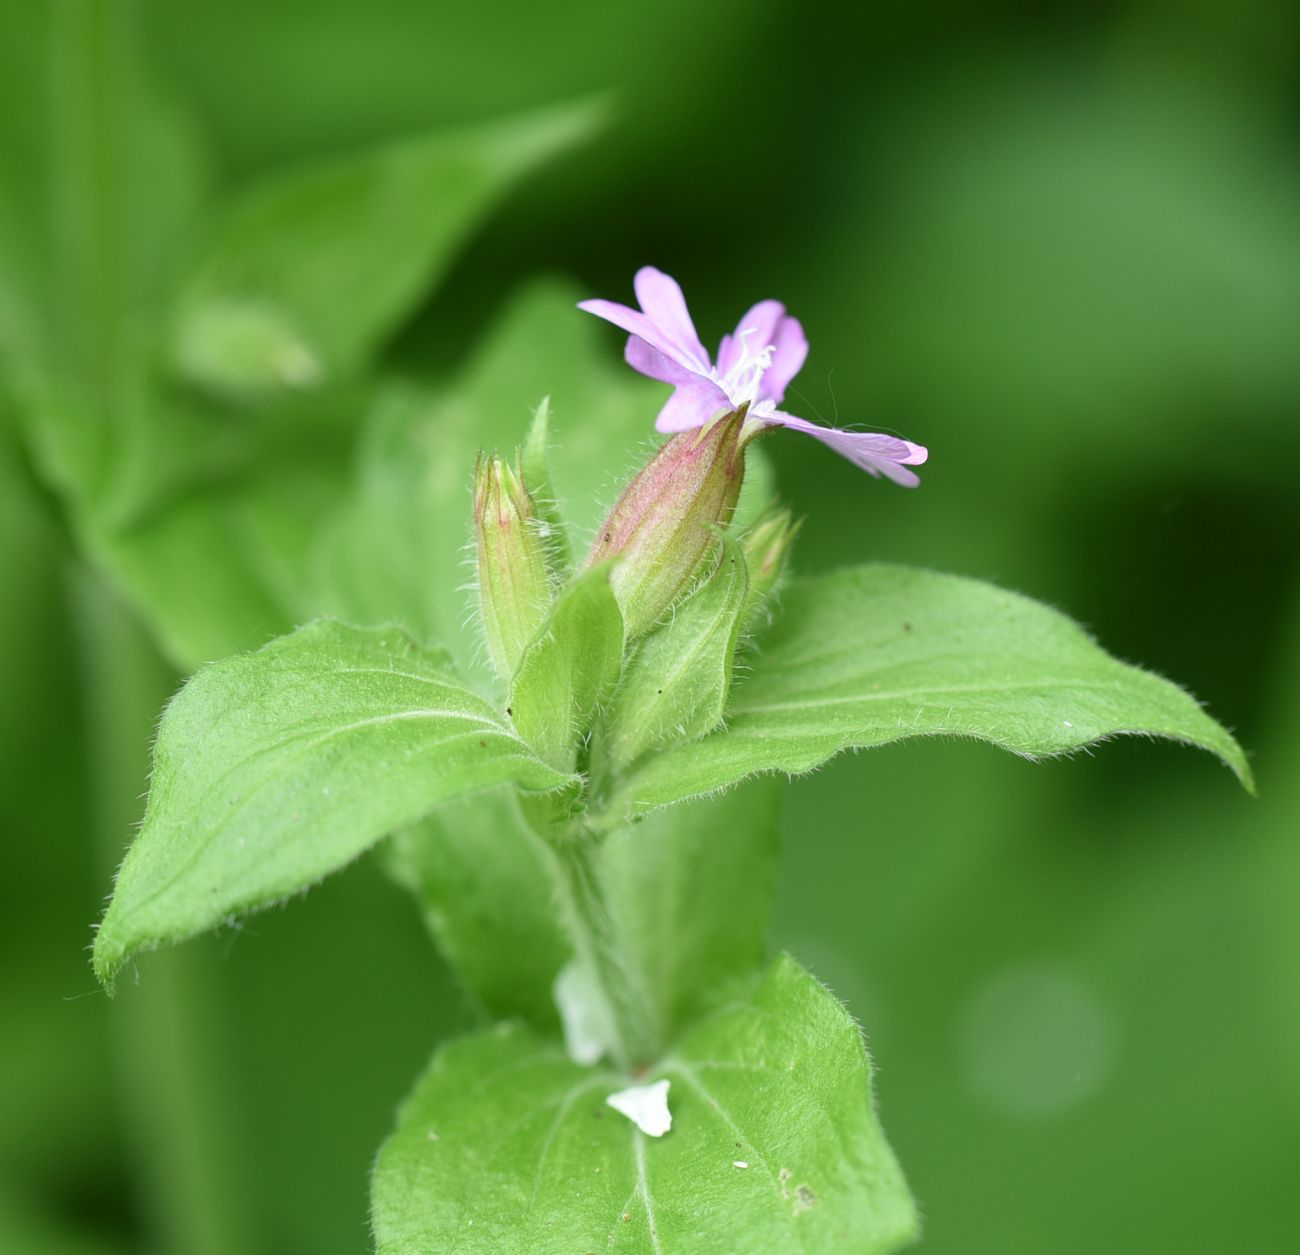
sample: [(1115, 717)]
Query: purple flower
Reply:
[(754, 368)]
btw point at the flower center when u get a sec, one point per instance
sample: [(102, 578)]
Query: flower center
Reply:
[(741, 381)]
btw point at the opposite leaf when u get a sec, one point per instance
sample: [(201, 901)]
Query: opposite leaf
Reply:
[(274, 768), (775, 1146), (569, 669), (873, 654)]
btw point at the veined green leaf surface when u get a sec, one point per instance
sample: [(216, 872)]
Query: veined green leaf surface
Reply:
[(775, 1147), (274, 768), (874, 654)]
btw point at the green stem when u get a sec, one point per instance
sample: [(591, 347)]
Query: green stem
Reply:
[(174, 1090), (599, 947)]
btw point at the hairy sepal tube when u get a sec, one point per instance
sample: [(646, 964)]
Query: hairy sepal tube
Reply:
[(592, 837)]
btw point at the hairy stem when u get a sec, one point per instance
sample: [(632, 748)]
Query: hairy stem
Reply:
[(599, 948)]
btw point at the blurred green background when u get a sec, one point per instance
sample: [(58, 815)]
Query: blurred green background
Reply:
[(1058, 244)]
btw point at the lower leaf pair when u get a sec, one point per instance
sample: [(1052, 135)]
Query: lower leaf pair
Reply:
[(506, 1145)]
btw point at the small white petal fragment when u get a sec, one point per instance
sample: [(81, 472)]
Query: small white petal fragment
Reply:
[(583, 1014), (739, 1163), (646, 1106)]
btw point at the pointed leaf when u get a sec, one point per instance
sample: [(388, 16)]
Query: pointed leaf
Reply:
[(569, 670), (874, 654), (774, 1147), (275, 768)]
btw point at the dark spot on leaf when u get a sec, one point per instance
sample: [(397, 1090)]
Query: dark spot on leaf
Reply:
[(482, 745), (907, 627), (510, 710)]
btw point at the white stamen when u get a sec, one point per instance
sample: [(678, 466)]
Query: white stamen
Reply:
[(740, 383)]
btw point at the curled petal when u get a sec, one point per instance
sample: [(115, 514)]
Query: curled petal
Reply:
[(875, 452), (791, 347), (660, 297)]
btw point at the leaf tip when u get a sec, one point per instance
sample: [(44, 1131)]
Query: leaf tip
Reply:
[(106, 960)]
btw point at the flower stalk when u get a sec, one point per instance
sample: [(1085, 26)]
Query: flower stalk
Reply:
[(637, 1037)]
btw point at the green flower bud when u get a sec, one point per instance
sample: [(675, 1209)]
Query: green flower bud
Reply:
[(514, 586), (766, 546), (661, 529)]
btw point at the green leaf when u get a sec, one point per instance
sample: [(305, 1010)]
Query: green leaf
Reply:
[(775, 1146), (309, 272), (569, 670), (535, 462), (274, 768), (674, 688), (874, 654)]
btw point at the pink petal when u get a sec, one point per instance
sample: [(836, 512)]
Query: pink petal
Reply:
[(695, 399), (791, 352), (633, 321), (648, 360), (660, 296), (692, 405), (874, 452), (761, 322)]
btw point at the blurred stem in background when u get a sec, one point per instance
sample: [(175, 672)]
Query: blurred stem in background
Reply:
[(177, 1098)]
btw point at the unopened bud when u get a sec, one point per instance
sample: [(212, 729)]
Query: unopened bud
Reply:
[(766, 546), (514, 586), (661, 529)]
